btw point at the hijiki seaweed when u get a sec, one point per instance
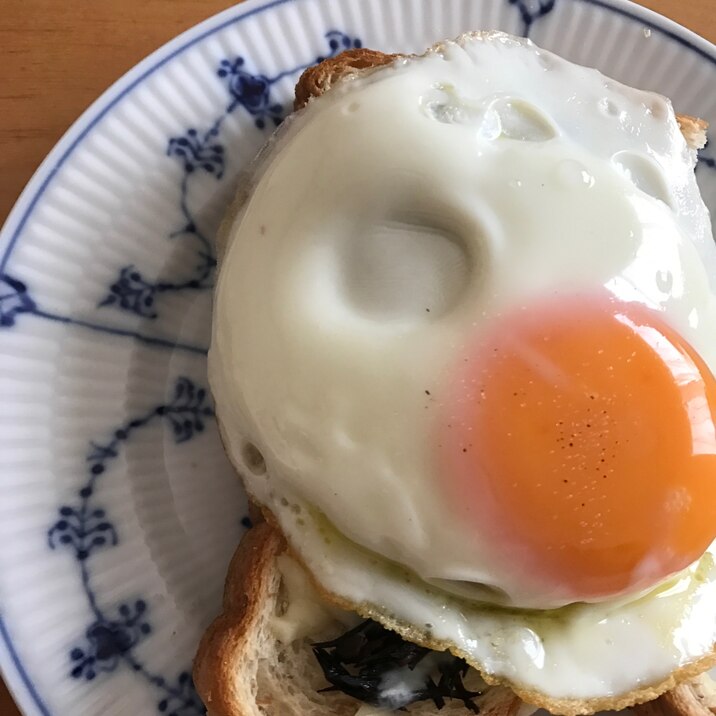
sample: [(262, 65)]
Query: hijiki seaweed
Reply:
[(362, 662)]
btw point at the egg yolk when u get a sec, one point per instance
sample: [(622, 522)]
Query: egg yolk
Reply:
[(581, 442)]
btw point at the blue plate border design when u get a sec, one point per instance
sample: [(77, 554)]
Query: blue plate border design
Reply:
[(24, 676), (16, 299)]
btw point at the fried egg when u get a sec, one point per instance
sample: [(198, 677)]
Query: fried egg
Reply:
[(462, 352)]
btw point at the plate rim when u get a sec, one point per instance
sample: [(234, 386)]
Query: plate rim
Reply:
[(16, 677)]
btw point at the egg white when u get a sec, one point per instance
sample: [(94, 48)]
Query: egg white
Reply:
[(355, 276)]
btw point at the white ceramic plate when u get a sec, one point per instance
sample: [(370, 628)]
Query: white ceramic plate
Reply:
[(118, 510)]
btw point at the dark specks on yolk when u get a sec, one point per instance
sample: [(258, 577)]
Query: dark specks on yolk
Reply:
[(580, 441)]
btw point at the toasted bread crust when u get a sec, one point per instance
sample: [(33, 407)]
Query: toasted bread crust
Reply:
[(228, 641), (693, 129), (697, 698), (318, 79)]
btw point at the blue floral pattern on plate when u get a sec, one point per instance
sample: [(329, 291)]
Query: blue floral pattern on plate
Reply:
[(706, 161), (202, 151), (14, 299), (85, 528), (531, 11)]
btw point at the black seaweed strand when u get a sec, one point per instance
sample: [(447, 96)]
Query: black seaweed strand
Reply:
[(358, 662)]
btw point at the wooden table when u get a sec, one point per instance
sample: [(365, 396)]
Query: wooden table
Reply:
[(59, 56)]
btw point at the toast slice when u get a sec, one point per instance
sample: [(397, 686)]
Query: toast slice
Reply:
[(257, 659), (245, 666), (697, 698)]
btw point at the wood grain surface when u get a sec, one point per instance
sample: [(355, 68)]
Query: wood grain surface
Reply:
[(59, 55)]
